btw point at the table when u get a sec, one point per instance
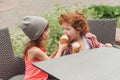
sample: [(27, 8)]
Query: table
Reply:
[(96, 64)]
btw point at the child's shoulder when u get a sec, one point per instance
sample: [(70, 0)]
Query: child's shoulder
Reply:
[(89, 35), (34, 49)]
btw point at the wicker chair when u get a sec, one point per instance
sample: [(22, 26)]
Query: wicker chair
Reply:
[(104, 29), (10, 65)]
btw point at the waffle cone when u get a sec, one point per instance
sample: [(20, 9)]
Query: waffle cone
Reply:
[(76, 47), (63, 40)]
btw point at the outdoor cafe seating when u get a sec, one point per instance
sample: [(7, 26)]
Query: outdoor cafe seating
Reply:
[(97, 64)]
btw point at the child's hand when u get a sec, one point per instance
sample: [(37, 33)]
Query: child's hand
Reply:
[(64, 39), (63, 46), (76, 47), (108, 45)]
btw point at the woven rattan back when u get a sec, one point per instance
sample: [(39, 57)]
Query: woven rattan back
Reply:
[(104, 29), (10, 65)]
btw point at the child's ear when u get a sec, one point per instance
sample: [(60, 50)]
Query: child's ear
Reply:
[(43, 36)]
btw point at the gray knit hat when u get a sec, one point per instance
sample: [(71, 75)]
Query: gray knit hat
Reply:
[(33, 26)]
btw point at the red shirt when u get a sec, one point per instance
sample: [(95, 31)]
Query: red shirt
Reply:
[(92, 40), (33, 73)]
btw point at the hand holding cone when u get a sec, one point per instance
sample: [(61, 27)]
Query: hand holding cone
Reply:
[(64, 39), (76, 47)]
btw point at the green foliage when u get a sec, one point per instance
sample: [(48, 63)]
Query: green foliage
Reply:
[(92, 12), (102, 11), (55, 32), (18, 39), (55, 28)]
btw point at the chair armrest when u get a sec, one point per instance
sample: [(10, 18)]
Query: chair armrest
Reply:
[(116, 46), (20, 65)]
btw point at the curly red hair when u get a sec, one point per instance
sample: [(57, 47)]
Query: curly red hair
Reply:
[(76, 19)]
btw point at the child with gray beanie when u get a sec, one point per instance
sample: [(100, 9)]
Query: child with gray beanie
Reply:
[(36, 29)]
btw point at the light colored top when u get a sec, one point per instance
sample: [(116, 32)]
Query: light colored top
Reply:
[(87, 46)]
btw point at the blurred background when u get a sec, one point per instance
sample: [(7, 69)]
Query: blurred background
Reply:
[(11, 11)]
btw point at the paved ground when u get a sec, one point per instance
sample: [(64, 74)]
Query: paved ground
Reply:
[(11, 11)]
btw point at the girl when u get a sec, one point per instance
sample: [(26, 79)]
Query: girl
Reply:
[(36, 29), (75, 26)]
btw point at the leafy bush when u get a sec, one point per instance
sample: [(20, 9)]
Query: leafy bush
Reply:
[(92, 12), (55, 28), (103, 11), (19, 40)]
